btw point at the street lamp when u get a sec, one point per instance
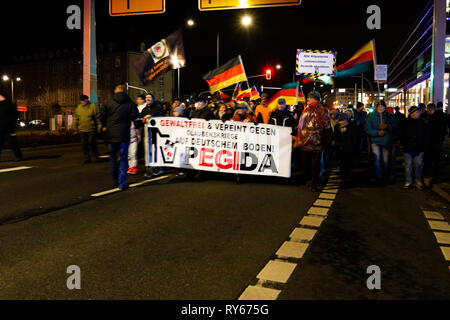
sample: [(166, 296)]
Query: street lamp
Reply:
[(7, 78), (190, 23), (177, 63), (278, 66), (246, 21)]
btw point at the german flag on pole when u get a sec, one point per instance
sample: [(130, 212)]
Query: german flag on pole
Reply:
[(290, 93), (255, 94), (363, 60), (230, 73)]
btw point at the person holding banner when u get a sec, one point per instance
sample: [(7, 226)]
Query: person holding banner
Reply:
[(283, 117), (242, 114), (313, 126)]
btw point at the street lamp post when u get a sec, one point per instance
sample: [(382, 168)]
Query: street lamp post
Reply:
[(7, 78)]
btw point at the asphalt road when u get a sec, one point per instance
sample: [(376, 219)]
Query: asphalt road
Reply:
[(176, 239)]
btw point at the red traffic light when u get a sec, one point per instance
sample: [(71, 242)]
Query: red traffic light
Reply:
[(268, 74)]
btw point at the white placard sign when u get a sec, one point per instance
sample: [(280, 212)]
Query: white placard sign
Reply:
[(381, 72), (227, 147), (315, 62)]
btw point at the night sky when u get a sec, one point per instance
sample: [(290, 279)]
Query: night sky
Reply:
[(274, 37)]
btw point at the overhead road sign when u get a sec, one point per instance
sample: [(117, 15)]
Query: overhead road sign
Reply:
[(208, 5), (136, 7)]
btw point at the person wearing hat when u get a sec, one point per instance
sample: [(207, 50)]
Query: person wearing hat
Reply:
[(242, 114), (283, 117), (380, 127), (313, 128), (202, 111), (86, 121), (413, 136)]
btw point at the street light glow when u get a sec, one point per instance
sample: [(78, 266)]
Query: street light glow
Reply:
[(190, 23), (278, 66), (176, 62), (18, 79), (243, 3), (246, 21), (5, 78)]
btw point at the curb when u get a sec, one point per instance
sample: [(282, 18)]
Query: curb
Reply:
[(437, 189)]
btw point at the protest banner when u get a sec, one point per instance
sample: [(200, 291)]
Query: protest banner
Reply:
[(226, 147)]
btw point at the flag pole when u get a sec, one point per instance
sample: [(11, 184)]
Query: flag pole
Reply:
[(248, 84)]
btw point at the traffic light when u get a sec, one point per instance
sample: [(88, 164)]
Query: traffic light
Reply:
[(268, 73)]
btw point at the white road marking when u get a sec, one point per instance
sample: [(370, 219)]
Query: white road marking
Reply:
[(446, 253), (330, 190), (294, 250), (323, 203), (14, 169), (259, 293), (104, 193), (277, 271), (439, 225), (328, 196), (105, 157), (312, 221), (433, 215), (318, 211), (302, 234), (442, 237)]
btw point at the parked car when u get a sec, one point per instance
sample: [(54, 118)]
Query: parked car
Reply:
[(21, 123), (36, 123)]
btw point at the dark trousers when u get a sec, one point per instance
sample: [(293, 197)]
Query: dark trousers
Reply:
[(89, 143), (433, 157), (311, 163), (12, 141), (119, 162), (345, 164)]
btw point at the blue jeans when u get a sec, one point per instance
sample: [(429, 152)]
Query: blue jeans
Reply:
[(413, 160), (381, 160), (119, 162)]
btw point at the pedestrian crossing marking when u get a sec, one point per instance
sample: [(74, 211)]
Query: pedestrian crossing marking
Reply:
[(330, 190), (446, 253), (302, 234), (442, 237), (277, 271), (439, 225), (14, 169), (292, 250), (259, 293), (433, 215), (318, 211)]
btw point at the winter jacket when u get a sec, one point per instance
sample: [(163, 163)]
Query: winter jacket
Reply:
[(311, 128), (437, 124), (8, 117), (87, 118), (413, 135), (283, 119), (117, 115), (153, 110), (373, 127), (225, 117), (204, 113), (248, 118)]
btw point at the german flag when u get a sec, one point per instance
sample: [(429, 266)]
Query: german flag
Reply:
[(290, 93), (230, 73), (243, 94), (363, 60), (255, 94)]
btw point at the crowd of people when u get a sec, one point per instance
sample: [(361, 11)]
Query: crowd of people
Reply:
[(323, 137)]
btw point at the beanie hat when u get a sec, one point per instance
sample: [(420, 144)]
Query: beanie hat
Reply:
[(84, 97), (315, 95), (413, 109)]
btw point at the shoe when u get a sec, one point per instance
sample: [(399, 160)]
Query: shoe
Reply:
[(159, 172), (407, 186), (132, 171), (149, 173), (419, 186), (181, 174), (124, 188)]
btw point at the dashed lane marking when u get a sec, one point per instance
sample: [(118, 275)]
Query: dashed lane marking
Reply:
[(260, 293), (327, 196), (108, 192), (323, 203), (312, 221), (334, 191), (14, 169), (303, 234), (439, 225), (291, 249), (277, 271), (446, 253), (442, 237), (318, 211), (433, 215)]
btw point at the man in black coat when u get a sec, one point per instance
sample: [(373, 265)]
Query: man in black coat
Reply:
[(202, 111), (413, 136), (116, 116), (437, 125), (8, 118), (283, 117)]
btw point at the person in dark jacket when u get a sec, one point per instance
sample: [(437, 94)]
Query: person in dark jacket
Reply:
[(202, 111), (222, 113), (345, 134), (8, 118), (152, 110), (116, 116), (437, 124), (283, 117), (413, 136), (360, 118)]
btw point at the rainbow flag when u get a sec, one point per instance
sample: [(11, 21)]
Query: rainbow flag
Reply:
[(230, 73), (290, 93), (363, 60)]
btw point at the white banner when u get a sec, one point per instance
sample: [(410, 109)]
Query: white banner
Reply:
[(315, 62), (227, 147)]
